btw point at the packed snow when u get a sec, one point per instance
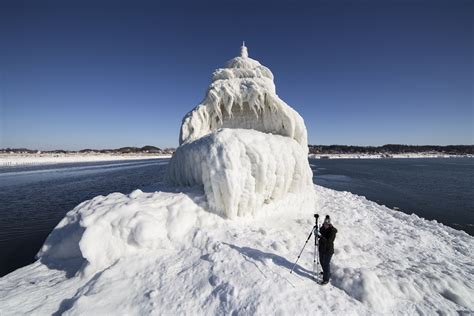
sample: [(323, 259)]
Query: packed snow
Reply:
[(164, 253), (223, 239)]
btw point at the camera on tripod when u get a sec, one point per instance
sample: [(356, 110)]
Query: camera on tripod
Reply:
[(315, 230)]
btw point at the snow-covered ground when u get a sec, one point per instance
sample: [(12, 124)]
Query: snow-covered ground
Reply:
[(163, 253), (8, 160)]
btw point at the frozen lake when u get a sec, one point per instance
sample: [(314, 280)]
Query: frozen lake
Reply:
[(34, 199)]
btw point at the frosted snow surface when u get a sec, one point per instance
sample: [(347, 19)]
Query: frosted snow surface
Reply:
[(155, 253), (243, 144)]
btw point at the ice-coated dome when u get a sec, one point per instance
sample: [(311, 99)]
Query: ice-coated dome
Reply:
[(243, 95)]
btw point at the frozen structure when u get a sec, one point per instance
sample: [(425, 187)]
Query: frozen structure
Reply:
[(242, 95), (243, 144)]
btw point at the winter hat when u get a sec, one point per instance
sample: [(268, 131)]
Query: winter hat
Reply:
[(327, 220)]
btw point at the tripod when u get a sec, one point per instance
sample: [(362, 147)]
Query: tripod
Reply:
[(315, 230)]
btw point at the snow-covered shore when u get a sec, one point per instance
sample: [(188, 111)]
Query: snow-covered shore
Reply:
[(10, 160), (163, 253), (380, 156)]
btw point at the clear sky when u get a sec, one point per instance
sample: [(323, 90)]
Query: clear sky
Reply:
[(106, 74)]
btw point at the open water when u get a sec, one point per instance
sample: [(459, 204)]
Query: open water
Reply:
[(34, 199), (439, 189)]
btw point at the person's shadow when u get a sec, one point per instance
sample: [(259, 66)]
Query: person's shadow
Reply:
[(252, 254)]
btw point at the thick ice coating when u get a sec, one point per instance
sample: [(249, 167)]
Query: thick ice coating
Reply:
[(241, 170), (243, 144), (242, 95)]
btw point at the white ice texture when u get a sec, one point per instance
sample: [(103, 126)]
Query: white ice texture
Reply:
[(241, 170), (242, 95), (243, 144)]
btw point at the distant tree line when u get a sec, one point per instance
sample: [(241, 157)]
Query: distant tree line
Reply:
[(391, 149), (122, 150), (313, 149)]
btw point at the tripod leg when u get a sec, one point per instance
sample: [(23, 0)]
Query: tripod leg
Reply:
[(316, 251), (314, 262), (309, 237)]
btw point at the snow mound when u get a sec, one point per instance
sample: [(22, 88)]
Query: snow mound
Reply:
[(242, 170), (242, 95), (102, 230)]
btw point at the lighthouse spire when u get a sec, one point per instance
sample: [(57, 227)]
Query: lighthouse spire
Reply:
[(243, 50)]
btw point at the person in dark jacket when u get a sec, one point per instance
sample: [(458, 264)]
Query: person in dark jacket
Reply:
[(327, 234)]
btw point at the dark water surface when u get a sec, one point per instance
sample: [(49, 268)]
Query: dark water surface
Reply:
[(34, 199), (435, 188)]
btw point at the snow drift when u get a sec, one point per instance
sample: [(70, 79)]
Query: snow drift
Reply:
[(243, 144), (100, 231)]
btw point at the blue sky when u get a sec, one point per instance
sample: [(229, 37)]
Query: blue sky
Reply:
[(106, 74)]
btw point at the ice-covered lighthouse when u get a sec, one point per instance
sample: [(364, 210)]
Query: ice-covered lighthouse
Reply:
[(244, 145)]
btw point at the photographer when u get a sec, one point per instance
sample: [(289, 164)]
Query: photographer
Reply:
[(327, 234)]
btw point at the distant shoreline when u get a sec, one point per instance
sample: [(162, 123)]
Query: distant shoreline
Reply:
[(30, 159), (27, 159), (386, 156), (393, 151)]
